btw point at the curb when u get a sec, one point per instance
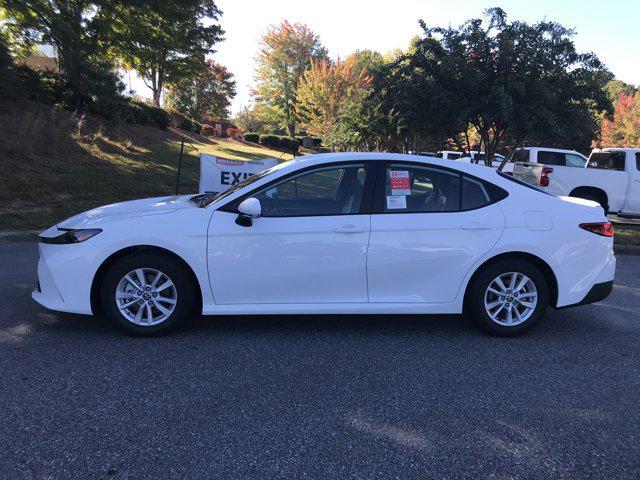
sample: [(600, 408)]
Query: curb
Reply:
[(19, 236), (32, 236)]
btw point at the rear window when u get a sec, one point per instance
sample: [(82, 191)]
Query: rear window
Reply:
[(521, 156), (551, 158), (607, 161)]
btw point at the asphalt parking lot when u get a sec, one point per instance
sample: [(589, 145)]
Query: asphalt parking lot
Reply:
[(318, 397)]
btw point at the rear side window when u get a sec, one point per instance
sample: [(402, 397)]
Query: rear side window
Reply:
[(574, 160), (607, 161), (426, 189), (420, 189), (638, 161), (474, 194), (551, 158)]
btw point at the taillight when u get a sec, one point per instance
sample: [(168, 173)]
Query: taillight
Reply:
[(605, 228), (544, 178)]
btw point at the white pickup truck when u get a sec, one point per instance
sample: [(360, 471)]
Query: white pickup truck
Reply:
[(546, 156), (611, 177)]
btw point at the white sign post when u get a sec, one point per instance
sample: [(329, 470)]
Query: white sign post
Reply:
[(218, 174)]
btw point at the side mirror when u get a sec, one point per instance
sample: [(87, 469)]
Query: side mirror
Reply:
[(248, 210)]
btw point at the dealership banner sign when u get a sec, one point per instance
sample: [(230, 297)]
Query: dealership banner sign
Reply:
[(217, 174)]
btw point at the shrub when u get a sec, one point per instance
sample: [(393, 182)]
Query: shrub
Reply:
[(209, 130), (252, 137), (289, 144), (181, 121), (234, 132), (270, 141)]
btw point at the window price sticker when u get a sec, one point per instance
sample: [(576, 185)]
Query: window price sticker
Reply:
[(400, 182), (394, 203)]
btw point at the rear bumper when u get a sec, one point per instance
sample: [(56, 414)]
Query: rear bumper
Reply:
[(598, 292)]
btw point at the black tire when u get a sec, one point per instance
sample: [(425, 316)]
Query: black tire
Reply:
[(179, 276), (475, 305)]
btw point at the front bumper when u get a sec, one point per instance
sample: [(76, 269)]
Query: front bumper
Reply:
[(65, 275)]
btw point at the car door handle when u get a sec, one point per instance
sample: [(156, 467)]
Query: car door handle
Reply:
[(349, 229), (475, 226)]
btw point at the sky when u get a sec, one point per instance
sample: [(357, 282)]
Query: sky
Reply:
[(609, 29)]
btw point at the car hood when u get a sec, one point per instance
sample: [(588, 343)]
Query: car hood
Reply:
[(131, 209)]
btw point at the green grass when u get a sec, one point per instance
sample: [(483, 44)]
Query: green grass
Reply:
[(55, 165), (626, 235)]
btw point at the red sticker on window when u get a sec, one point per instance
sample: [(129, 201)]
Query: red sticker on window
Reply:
[(400, 182)]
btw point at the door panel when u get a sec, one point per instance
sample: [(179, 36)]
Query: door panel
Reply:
[(424, 257), (288, 259)]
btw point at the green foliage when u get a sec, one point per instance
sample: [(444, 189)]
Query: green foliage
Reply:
[(289, 144), (165, 41), (252, 137), (615, 88), (249, 120), (131, 111), (86, 72), (280, 141), (183, 122), (208, 94), (270, 140), (286, 51), (507, 81)]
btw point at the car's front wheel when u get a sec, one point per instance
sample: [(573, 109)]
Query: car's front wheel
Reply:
[(147, 294), (508, 298)]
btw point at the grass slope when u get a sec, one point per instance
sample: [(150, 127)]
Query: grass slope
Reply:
[(54, 164)]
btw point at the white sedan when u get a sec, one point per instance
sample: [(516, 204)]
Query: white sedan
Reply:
[(347, 233)]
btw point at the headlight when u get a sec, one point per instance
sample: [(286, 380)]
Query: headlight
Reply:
[(72, 236)]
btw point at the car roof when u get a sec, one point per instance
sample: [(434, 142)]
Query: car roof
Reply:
[(549, 149), (472, 169), (617, 149)]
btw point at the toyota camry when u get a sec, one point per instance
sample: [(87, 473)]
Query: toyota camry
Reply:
[(346, 233)]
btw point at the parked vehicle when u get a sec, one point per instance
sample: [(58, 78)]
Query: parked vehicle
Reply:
[(546, 156), (346, 233), (450, 154), (611, 177), (478, 157)]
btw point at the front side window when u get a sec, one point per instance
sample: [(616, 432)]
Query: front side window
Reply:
[(326, 191), (420, 189)]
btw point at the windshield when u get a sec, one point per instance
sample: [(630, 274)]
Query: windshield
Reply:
[(214, 197)]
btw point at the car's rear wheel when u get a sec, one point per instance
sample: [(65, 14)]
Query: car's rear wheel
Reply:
[(147, 294), (508, 298)]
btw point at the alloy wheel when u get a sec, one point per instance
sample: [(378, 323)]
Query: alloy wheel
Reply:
[(510, 299), (146, 296)]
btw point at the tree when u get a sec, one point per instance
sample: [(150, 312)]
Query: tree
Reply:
[(68, 25), (616, 88), (207, 95), (508, 81), (323, 89), (165, 41), (623, 129), (286, 51), (249, 120)]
